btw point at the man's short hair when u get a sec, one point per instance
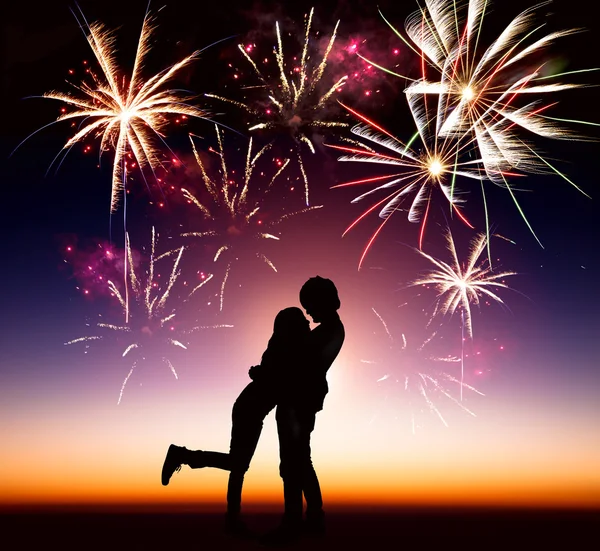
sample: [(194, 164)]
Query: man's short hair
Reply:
[(320, 292)]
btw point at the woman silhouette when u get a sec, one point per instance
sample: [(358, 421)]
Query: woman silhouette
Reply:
[(272, 384)]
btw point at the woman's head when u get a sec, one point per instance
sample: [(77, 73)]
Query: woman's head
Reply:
[(290, 322), (319, 297)]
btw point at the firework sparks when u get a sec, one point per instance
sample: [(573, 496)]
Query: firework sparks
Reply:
[(436, 166), (460, 285), (92, 265), (297, 99), (127, 115), (232, 208), (478, 90), (414, 371), (152, 326)]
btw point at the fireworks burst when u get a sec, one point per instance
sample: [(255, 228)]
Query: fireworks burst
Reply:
[(128, 115), (460, 285), (478, 91), (296, 100), (151, 327), (411, 371), (232, 208), (435, 166)]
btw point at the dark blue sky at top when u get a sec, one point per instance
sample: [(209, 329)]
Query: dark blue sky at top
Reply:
[(37, 294)]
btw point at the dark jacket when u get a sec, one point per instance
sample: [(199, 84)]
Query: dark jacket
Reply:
[(324, 345)]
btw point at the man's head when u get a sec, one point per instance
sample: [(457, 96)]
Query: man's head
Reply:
[(319, 297)]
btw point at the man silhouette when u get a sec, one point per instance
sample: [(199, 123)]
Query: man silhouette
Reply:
[(297, 413)]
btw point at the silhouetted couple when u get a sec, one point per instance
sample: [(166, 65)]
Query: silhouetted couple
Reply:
[(292, 378)]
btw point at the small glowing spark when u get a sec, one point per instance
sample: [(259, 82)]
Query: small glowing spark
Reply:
[(468, 93), (125, 382), (436, 168)]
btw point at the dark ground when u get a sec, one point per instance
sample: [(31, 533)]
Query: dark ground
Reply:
[(421, 529)]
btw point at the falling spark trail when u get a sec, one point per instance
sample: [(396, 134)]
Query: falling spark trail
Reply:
[(125, 382)]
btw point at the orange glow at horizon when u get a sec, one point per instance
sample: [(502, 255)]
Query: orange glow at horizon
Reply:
[(115, 457), (209, 490)]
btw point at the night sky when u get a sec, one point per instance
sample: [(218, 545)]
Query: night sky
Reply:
[(533, 438)]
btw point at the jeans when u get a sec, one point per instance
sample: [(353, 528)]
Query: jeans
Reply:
[(294, 427), (247, 416)]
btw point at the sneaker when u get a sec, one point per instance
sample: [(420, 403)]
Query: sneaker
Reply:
[(172, 463)]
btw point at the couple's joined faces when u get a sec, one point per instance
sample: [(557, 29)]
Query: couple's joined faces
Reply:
[(315, 312)]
